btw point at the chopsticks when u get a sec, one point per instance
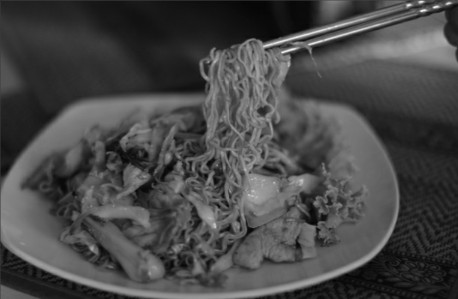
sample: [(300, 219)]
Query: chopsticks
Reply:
[(371, 21)]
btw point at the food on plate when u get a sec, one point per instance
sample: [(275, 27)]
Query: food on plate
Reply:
[(249, 175), (278, 241)]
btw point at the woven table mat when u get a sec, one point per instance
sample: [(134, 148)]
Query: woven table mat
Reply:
[(413, 109)]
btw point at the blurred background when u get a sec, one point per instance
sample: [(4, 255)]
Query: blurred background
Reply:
[(54, 53)]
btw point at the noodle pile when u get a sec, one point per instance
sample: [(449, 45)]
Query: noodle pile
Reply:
[(240, 111), (173, 184)]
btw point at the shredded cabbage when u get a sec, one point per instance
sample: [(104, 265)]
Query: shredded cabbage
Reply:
[(175, 190)]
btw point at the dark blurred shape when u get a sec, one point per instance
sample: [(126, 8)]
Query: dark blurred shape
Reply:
[(451, 28), (157, 44), (110, 47), (68, 50), (294, 16)]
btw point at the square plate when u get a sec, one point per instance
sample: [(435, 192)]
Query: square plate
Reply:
[(31, 232)]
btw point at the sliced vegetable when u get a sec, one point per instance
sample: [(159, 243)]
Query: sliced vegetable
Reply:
[(203, 210), (137, 214), (72, 160), (265, 197), (137, 135), (301, 183), (139, 264), (133, 178), (82, 242), (224, 262), (260, 199)]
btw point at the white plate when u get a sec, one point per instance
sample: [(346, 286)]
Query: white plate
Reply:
[(31, 232)]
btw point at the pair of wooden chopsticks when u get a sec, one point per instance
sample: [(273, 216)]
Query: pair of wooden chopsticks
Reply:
[(377, 19)]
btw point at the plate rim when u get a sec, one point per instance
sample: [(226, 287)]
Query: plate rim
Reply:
[(128, 291)]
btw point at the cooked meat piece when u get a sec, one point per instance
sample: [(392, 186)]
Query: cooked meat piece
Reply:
[(286, 239)]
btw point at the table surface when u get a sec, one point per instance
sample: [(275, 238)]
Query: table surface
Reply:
[(411, 100)]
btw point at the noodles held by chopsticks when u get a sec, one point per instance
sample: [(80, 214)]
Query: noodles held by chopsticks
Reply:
[(173, 191)]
